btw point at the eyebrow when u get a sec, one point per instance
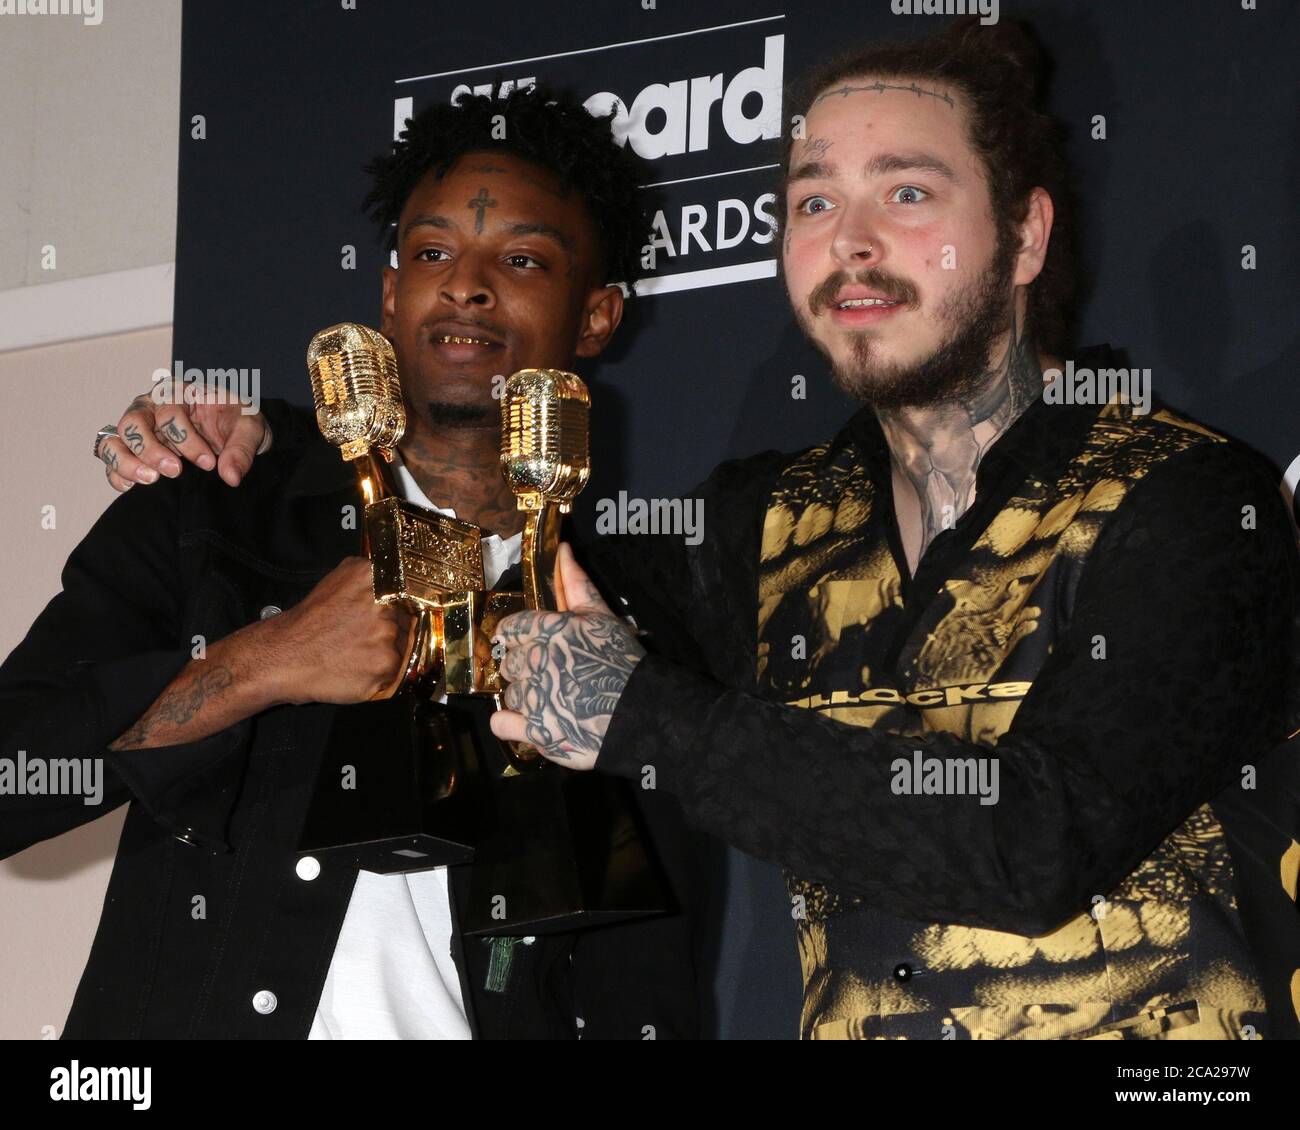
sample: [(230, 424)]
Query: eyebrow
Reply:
[(564, 240), (427, 222), (881, 163), (521, 228)]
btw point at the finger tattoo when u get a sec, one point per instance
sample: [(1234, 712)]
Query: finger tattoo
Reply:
[(173, 431)]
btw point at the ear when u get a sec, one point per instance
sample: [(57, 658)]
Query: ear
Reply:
[(1035, 232), (389, 305), (604, 311)]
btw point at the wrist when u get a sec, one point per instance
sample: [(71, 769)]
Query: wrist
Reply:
[(257, 654)]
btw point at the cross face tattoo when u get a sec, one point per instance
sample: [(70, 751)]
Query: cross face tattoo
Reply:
[(481, 202)]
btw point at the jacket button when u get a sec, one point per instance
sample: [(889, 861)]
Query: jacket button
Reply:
[(264, 1002), (269, 611), (902, 972), (307, 868)]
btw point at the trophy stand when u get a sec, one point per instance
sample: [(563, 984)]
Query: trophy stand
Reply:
[(401, 786), (559, 850)]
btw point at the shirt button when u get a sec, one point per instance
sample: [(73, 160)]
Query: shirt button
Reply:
[(902, 972), (269, 611), (307, 868), (264, 1002)]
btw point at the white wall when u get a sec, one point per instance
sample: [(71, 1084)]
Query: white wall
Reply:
[(89, 143), (88, 134)]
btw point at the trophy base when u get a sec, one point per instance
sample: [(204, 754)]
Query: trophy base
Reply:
[(561, 853), (400, 788), (406, 785)]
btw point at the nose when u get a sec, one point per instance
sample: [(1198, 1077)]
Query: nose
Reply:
[(465, 286), (857, 241)]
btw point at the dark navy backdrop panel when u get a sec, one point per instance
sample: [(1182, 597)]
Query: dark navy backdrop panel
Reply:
[(1199, 162)]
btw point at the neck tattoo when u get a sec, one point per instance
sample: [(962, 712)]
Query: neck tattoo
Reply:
[(938, 448), (460, 467)]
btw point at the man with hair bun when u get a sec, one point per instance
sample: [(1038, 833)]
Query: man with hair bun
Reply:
[(983, 671)]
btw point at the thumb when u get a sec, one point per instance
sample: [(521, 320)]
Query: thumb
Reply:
[(240, 450), (579, 593)]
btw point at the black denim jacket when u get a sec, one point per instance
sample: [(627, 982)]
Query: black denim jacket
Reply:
[(220, 817)]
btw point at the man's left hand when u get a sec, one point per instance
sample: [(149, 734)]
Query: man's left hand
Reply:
[(566, 672)]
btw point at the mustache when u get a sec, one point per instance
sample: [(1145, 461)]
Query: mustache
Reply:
[(896, 290)]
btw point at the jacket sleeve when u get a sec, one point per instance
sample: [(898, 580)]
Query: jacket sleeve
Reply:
[(291, 424), (94, 661), (689, 605), (1105, 757)]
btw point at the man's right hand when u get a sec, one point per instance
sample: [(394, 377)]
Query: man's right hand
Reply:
[(338, 645), (159, 429)]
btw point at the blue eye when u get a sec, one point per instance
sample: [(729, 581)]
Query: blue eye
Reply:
[(808, 200), (912, 189)]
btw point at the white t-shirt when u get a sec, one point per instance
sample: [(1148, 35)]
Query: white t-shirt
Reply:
[(392, 976)]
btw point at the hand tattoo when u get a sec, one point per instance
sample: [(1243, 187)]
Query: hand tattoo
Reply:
[(134, 440), (567, 676)]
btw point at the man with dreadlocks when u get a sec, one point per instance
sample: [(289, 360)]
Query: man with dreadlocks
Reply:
[(211, 927)]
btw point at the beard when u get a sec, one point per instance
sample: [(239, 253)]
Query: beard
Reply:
[(974, 317), (448, 414)]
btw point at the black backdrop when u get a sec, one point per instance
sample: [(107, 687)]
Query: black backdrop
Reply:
[(1199, 162)]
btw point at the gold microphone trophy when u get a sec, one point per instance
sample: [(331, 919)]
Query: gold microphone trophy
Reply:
[(552, 850)]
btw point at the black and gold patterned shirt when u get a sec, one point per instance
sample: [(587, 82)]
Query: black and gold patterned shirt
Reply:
[(1113, 622)]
